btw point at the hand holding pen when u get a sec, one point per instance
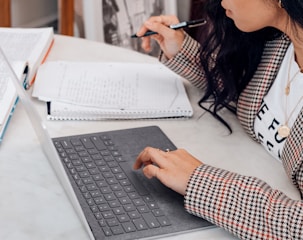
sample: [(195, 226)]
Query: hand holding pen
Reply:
[(163, 30), (186, 24)]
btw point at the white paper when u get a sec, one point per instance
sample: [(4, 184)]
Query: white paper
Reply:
[(7, 90), (108, 85)]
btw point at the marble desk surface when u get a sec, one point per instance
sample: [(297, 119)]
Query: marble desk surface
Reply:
[(34, 206)]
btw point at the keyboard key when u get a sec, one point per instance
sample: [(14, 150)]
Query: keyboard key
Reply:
[(94, 208), (152, 205), (116, 187), (76, 162), (104, 207), (90, 201), (151, 220), (123, 218), (116, 230), (107, 231), (109, 197), (87, 180), (92, 151), (129, 227), (125, 200), (86, 159), (140, 224), (134, 214), (87, 142), (84, 174), (164, 221), (139, 202), (102, 223), (98, 215), (157, 212), (70, 151), (79, 148), (129, 207), (105, 153), (72, 156), (98, 143), (104, 137), (97, 157), (66, 144), (108, 142), (114, 204), (90, 165), (112, 222), (99, 200), (108, 214), (143, 209), (102, 183), (83, 154), (133, 195), (75, 142), (91, 187), (118, 210), (108, 158), (95, 193), (98, 177), (120, 176), (80, 168), (105, 190), (93, 171), (120, 194)]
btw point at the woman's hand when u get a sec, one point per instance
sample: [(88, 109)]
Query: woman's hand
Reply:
[(169, 40), (172, 168)]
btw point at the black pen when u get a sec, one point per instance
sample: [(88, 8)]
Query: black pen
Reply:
[(189, 24)]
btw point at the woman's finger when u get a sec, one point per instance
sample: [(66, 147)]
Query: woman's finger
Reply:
[(149, 156)]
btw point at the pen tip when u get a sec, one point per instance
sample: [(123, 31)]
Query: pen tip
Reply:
[(134, 36)]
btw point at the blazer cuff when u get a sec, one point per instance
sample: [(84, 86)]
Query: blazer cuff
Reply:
[(187, 56), (198, 193)]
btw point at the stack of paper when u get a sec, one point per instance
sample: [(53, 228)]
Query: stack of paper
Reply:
[(97, 90), (25, 49)]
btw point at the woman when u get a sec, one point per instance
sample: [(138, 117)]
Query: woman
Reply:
[(252, 58)]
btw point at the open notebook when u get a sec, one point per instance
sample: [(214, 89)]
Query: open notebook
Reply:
[(112, 200), (26, 49), (110, 90)]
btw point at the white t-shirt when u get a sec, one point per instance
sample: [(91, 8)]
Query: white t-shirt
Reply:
[(276, 107)]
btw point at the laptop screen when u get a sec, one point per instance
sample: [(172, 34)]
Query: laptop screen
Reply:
[(43, 136)]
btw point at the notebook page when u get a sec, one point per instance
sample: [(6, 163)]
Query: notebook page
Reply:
[(108, 85), (8, 92), (26, 44)]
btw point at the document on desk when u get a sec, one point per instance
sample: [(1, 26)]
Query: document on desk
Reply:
[(115, 90), (29, 45), (8, 94), (25, 49)]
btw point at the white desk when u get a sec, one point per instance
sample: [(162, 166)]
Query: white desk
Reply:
[(33, 204)]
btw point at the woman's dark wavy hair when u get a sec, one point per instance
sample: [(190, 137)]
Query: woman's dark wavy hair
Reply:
[(238, 56)]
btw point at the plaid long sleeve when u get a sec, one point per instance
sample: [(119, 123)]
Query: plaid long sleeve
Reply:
[(187, 62), (244, 206)]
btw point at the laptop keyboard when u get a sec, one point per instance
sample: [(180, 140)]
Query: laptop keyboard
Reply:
[(116, 201)]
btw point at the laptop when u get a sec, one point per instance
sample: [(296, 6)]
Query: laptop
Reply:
[(111, 199)]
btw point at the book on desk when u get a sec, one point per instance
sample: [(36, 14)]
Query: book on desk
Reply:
[(26, 49), (110, 90)]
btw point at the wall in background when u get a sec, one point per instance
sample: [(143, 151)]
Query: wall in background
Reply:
[(183, 9), (183, 13), (33, 13), (37, 13)]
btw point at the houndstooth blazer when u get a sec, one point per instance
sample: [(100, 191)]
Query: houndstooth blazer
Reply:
[(246, 206)]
